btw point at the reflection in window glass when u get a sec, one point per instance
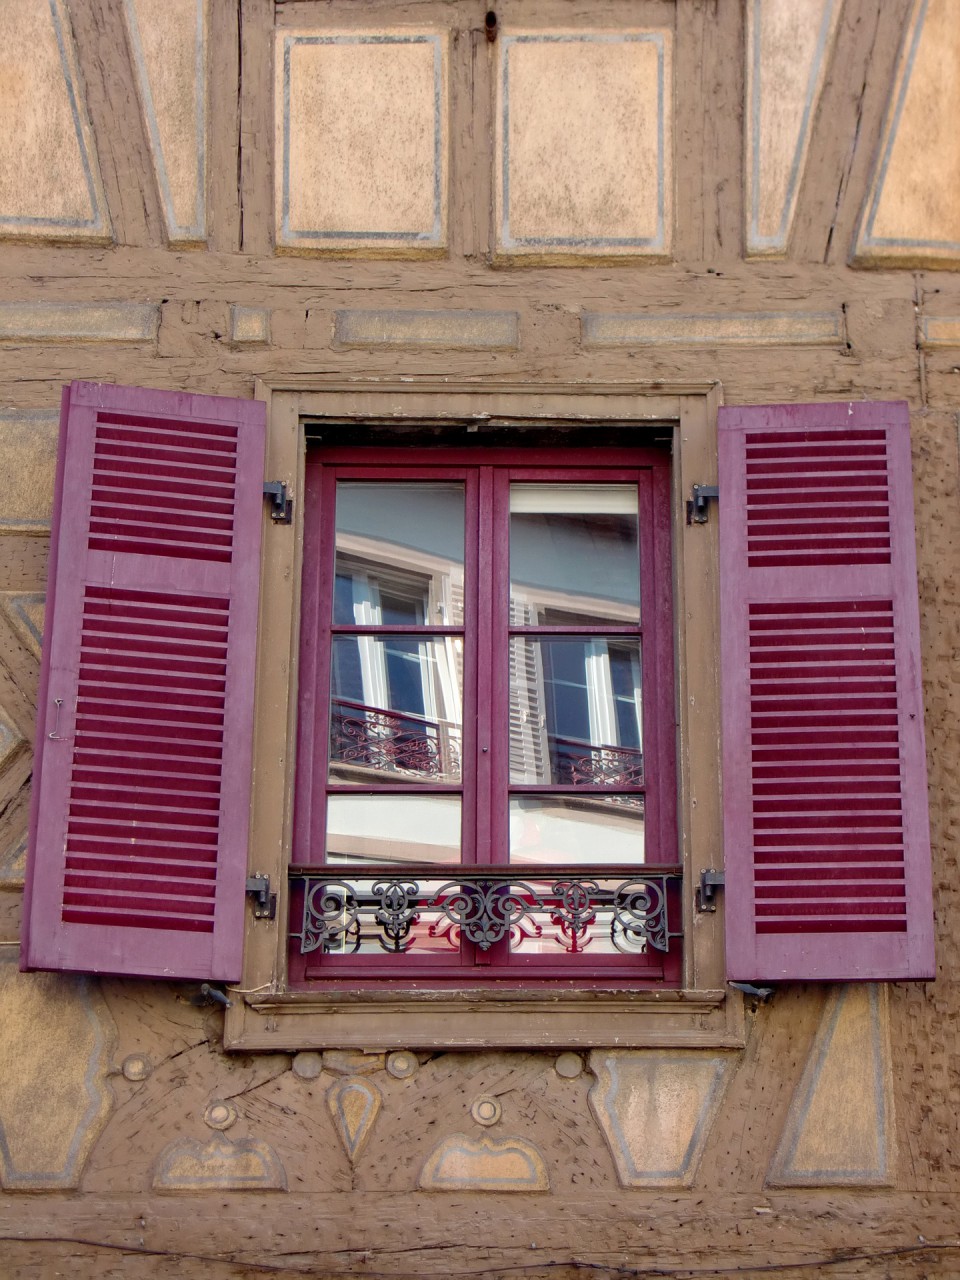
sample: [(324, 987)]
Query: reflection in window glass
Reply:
[(612, 924), (393, 828), (399, 554), (575, 711), (575, 549), (588, 830), (396, 709)]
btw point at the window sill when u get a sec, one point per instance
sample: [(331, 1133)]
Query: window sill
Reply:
[(469, 1019)]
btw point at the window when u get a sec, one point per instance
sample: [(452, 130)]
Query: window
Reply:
[(486, 777), (165, 676)]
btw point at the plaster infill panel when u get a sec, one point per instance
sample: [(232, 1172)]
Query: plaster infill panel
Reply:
[(28, 454), (912, 214), (54, 1062), (655, 1109), (838, 1130), (788, 51), (50, 185), (168, 45), (584, 162), (361, 142)]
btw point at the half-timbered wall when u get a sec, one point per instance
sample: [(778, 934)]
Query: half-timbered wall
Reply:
[(758, 194)]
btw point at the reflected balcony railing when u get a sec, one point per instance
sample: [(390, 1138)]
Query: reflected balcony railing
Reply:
[(392, 741), (582, 763), (424, 910)]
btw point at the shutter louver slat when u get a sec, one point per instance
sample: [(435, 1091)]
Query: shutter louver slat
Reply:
[(825, 828), (141, 804)]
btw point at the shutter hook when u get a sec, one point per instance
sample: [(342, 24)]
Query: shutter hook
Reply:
[(54, 736)]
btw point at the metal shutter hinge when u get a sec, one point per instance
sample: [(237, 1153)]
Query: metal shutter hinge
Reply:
[(265, 904), (698, 509), (710, 882), (281, 511)]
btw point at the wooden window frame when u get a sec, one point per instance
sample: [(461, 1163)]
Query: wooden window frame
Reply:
[(264, 1013), (485, 789)]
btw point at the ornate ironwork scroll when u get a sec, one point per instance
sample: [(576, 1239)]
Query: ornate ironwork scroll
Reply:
[(557, 913)]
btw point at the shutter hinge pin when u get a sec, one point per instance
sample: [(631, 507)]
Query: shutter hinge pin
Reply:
[(281, 511), (710, 882), (265, 904), (698, 509)]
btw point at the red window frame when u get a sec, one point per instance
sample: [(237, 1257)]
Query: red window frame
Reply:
[(485, 787)]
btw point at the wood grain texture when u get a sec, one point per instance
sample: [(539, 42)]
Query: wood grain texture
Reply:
[(124, 152), (223, 128), (846, 129), (256, 125)]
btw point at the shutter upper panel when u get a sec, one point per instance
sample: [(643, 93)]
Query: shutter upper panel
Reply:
[(826, 833), (142, 777)]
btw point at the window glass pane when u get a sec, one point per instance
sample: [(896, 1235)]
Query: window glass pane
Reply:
[(575, 711), (574, 554), (395, 709), (399, 554), (393, 828), (576, 829)]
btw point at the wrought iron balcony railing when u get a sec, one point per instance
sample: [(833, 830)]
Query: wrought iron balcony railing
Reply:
[(426, 909)]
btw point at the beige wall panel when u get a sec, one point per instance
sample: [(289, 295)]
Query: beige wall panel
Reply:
[(584, 162), (840, 1120), (361, 141), (168, 43), (54, 1062), (786, 328), (443, 329), (354, 1106), (912, 215), (461, 1163), (655, 1110), (188, 1166), (76, 322), (50, 183), (28, 456), (250, 324), (940, 331), (789, 43)]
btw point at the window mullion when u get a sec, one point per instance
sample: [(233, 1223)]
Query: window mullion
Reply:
[(489, 683)]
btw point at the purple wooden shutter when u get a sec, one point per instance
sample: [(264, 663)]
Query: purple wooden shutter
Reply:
[(142, 778), (826, 834)]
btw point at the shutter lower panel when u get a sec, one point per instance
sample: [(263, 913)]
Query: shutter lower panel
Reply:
[(141, 799), (826, 840)]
